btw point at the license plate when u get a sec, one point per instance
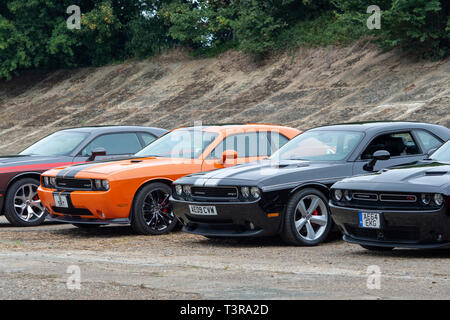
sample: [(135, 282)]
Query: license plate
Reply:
[(369, 220), (203, 210), (61, 201)]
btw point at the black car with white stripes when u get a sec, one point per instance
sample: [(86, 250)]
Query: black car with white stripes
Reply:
[(288, 193), (407, 206)]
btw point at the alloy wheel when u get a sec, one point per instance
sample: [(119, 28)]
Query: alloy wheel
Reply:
[(311, 217), (27, 204), (157, 210)]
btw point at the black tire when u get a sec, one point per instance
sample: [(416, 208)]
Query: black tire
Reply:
[(321, 214), (152, 212), (21, 189), (375, 248), (86, 225)]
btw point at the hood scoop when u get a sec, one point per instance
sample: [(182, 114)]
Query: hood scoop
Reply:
[(135, 161), (436, 173)]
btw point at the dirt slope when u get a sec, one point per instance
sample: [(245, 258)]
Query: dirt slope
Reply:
[(307, 88)]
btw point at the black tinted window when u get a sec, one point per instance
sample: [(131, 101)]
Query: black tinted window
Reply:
[(397, 144), (116, 143)]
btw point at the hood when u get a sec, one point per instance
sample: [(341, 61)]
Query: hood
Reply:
[(430, 177), (269, 174), (109, 168)]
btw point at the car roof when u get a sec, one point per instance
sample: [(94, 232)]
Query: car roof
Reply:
[(229, 128), (380, 126), (109, 129)]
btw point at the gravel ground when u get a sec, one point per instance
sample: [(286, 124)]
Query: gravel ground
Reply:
[(116, 264)]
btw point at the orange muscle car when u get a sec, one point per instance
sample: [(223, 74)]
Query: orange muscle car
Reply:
[(136, 191)]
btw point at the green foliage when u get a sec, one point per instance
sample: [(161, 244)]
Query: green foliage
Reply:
[(418, 26), (147, 37), (33, 33)]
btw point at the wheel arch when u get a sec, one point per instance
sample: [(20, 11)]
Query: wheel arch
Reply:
[(165, 181), (315, 185), (23, 175)]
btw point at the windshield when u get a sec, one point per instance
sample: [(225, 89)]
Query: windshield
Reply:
[(320, 146), (57, 144), (188, 144), (442, 154)]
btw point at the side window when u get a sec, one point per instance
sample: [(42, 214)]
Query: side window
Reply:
[(147, 138), (251, 144), (398, 144), (276, 141), (115, 144), (428, 140)]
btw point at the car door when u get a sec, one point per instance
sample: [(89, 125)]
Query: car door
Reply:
[(249, 146), (117, 146), (402, 146)]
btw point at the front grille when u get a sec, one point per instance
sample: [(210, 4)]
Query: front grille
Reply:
[(383, 200), (398, 197), (73, 184), (215, 192)]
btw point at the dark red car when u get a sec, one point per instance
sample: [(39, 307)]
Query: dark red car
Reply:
[(20, 174)]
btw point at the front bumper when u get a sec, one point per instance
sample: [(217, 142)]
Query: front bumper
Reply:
[(85, 207), (233, 219), (407, 229)]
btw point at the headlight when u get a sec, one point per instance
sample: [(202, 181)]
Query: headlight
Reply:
[(348, 195), (45, 181), (426, 198), (255, 192), (338, 194), (52, 181), (245, 192), (101, 185), (187, 190), (179, 189), (105, 184), (438, 199)]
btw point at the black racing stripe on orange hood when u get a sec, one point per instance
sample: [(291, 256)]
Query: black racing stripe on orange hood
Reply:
[(71, 172)]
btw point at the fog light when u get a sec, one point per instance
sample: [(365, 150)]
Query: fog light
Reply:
[(438, 199), (245, 192), (426, 198), (179, 189)]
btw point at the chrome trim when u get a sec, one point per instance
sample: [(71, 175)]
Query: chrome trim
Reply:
[(364, 193), (401, 195)]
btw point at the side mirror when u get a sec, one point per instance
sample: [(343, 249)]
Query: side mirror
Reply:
[(229, 155), (97, 152), (380, 155)]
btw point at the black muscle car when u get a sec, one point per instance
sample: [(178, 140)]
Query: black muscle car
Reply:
[(408, 206), (288, 193), (20, 174)]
